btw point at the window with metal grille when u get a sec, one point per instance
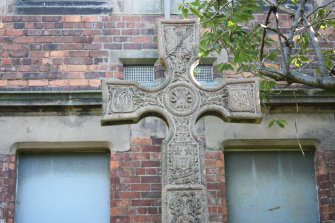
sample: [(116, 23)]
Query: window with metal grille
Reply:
[(204, 73), (141, 74)]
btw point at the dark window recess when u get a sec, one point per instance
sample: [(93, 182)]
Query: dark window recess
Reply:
[(38, 7)]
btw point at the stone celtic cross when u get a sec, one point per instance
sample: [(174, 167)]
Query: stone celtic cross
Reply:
[(181, 101)]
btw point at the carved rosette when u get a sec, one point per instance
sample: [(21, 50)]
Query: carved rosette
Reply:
[(185, 207), (181, 99), (241, 98)]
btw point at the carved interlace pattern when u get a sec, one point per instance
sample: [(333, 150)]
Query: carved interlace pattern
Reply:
[(183, 155), (128, 99), (183, 130), (121, 99), (241, 98), (183, 163), (185, 207), (178, 49), (219, 98)]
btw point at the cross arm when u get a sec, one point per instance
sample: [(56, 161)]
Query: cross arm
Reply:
[(129, 101), (235, 101)]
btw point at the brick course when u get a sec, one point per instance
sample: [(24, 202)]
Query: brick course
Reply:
[(54, 41), (67, 49)]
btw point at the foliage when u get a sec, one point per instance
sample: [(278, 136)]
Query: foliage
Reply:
[(294, 55), (280, 122)]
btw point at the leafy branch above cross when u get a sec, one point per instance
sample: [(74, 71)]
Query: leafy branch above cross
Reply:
[(294, 43)]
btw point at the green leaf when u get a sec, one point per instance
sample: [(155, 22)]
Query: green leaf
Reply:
[(195, 12), (185, 12), (196, 71), (323, 25), (273, 55), (295, 2), (303, 59), (331, 23), (281, 123), (271, 123), (231, 24), (224, 67)]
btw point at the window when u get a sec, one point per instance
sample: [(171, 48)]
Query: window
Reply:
[(63, 187), (271, 187), (63, 7), (204, 73), (142, 74)]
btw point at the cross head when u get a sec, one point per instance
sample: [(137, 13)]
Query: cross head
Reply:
[(181, 101)]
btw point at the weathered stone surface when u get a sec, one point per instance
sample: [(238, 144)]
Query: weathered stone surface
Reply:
[(181, 101), (71, 130)]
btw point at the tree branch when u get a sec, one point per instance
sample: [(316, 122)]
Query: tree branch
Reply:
[(316, 48), (280, 7), (297, 77), (297, 19), (320, 7), (285, 55), (274, 74), (261, 51), (217, 12)]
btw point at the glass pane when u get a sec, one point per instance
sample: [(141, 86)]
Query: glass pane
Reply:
[(63, 187), (274, 187)]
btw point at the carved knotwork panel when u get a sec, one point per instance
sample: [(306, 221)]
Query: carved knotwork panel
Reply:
[(127, 99), (183, 163), (185, 207), (179, 48), (241, 98), (182, 131), (121, 99), (218, 98)]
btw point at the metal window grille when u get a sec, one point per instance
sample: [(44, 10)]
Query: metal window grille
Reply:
[(204, 73), (142, 74)]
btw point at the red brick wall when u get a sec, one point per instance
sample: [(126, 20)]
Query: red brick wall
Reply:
[(68, 51), (136, 183), (325, 171), (7, 188)]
